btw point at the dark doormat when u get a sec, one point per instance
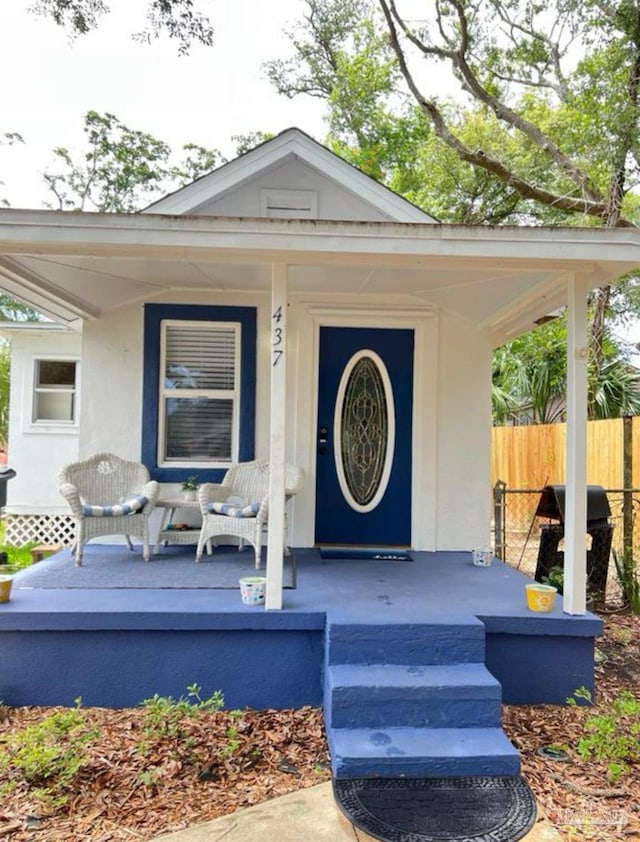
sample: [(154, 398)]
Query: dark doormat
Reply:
[(376, 553), (473, 809)]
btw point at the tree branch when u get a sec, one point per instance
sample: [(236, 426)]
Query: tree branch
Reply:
[(553, 46), (591, 194), (585, 204)]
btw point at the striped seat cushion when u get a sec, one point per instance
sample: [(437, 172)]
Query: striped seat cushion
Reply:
[(128, 506), (230, 510)]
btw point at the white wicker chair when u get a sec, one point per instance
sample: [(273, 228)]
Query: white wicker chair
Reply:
[(100, 491), (245, 485)]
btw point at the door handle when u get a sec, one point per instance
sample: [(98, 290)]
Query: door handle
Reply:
[(323, 435)]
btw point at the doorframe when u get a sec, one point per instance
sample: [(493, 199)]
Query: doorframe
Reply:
[(310, 316)]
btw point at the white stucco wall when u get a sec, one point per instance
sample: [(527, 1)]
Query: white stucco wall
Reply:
[(112, 384), (38, 451), (464, 436), (334, 202), (451, 408)]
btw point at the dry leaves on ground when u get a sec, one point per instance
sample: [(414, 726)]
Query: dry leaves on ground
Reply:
[(577, 794), (135, 787)]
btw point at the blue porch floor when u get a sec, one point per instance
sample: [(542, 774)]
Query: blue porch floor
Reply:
[(115, 647)]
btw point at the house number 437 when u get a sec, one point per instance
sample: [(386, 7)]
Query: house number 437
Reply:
[(278, 335)]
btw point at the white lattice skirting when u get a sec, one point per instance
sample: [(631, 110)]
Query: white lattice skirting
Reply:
[(39, 529)]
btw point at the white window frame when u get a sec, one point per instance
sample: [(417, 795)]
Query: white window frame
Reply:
[(49, 423), (165, 393)]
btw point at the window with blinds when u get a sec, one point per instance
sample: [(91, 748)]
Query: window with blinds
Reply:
[(199, 393)]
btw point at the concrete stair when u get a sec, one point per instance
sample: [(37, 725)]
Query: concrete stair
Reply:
[(413, 700)]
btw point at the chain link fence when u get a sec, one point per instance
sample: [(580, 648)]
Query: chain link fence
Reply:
[(518, 531)]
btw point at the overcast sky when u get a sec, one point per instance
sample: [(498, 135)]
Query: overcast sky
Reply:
[(48, 84)]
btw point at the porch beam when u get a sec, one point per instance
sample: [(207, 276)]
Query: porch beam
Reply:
[(575, 542), (277, 444), (610, 251)]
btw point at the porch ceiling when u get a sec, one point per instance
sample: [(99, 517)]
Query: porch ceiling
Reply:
[(76, 265)]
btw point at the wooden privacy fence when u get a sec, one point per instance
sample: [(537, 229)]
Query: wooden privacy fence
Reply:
[(532, 457), (525, 459)]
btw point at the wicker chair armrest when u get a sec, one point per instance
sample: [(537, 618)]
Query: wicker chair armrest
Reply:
[(151, 491), (211, 492), (263, 511), (293, 481), (72, 496)]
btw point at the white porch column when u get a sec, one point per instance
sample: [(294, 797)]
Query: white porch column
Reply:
[(575, 549), (275, 545)]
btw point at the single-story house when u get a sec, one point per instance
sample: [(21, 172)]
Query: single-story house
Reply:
[(287, 306)]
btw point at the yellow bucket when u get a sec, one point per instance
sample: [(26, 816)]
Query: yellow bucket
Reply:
[(5, 588), (540, 597)]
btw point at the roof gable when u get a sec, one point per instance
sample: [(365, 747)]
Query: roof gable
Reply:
[(367, 199)]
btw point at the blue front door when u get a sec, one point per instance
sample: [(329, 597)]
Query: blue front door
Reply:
[(364, 436)]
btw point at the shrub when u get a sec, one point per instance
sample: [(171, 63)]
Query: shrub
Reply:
[(49, 755), (612, 736)]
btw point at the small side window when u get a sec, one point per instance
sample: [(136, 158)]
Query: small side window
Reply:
[(54, 398)]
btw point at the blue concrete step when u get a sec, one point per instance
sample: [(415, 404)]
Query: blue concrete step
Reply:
[(442, 696), (413, 700), (421, 752), (454, 640)]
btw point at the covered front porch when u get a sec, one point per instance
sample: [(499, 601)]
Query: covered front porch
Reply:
[(116, 645)]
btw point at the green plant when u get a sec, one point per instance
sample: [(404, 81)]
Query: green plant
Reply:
[(629, 579), (621, 635), (49, 755), (555, 578), (232, 735), (190, 484), (613, 736), (17, 557), (165, 716)]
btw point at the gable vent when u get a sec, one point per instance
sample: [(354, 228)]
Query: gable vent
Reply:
[(289, 204)]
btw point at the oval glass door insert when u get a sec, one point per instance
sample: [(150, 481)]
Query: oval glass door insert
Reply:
[(364, 431)]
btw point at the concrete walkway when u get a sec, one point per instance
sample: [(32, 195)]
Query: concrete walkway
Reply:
[(309, 815)]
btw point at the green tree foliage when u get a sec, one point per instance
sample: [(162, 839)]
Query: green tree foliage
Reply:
[(14, 311), (530, 373), (122, 169), (550, 90), (562, 79), (179, 19), (342, 56), (543, 128), (11, 311), (529, 377), (246, 142)]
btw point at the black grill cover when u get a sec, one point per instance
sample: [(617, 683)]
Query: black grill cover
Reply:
[(552, 500)]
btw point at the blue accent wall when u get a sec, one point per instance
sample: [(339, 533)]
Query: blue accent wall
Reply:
[(277, 664), (540, 669), (153, 317), (117, 646), (258, 669)]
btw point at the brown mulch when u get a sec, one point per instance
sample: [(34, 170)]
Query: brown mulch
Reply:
[(135, 787), (577, 794)]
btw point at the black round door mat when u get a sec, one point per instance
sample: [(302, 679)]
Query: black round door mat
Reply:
[(473, 809)]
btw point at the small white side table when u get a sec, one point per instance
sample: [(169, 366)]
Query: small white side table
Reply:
[(177, 536)]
